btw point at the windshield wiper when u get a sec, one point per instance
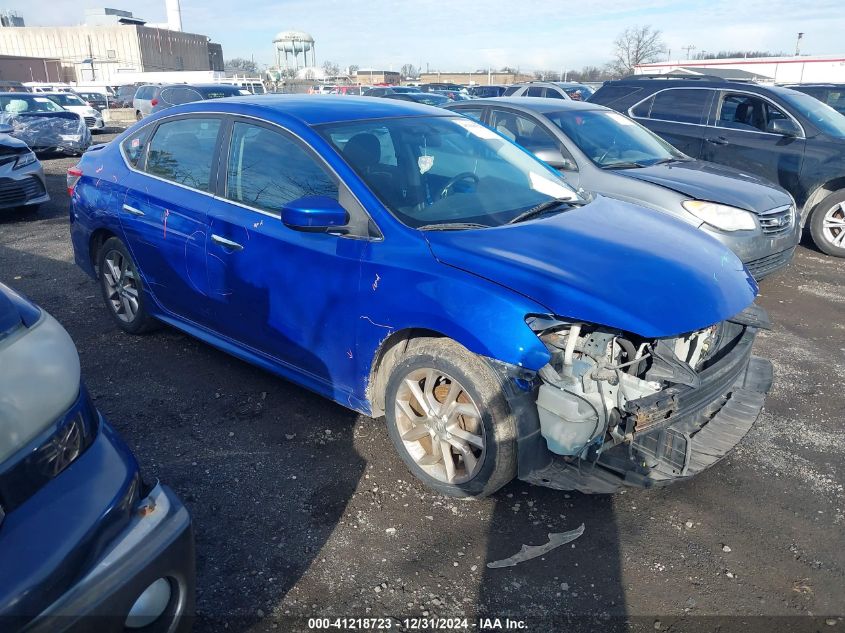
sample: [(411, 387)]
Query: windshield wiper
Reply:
[(452, 226), (626, 165), (542, 208)]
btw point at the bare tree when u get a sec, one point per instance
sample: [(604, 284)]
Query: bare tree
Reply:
[(331, 69), (636, 45), (409, 71), (240, 65), (352, 69)]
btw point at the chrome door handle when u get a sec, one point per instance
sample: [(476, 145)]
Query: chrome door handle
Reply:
[(229, 244), (132, 210), (719, 140)]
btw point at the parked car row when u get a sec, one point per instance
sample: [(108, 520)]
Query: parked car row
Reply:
[(785, 136), (602, 151)]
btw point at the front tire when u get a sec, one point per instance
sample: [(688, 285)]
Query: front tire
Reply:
[(123, 290), (827, 224), (449, 420)]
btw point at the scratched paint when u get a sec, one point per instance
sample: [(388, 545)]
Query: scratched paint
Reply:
[(375, 283)]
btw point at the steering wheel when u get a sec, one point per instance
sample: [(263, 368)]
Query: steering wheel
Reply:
[(610, 147), (464, 175)]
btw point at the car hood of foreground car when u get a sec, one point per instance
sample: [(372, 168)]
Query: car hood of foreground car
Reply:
[(701, 180), (609, 263)]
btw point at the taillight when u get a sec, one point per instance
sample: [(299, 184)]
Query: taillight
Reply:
[(154, 102), (73, 175)]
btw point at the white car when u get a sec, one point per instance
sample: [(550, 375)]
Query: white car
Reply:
[(74, 103)]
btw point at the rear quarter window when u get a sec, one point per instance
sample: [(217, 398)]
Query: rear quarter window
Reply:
[(681, 105), (607, 95), (133, 146)]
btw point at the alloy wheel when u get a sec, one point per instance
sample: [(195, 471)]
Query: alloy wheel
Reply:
[(440, 426), (122, 285), (833, 225)]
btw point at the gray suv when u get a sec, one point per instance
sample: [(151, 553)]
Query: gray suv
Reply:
[(142, 102), (602, 151)]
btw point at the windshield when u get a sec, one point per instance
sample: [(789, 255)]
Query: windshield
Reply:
[(24, 103), (612, 140), (429, 98), (820, 114), (445, 170), (67, 100)]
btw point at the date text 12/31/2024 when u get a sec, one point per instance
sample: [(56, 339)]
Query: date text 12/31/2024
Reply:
[(417, 624)]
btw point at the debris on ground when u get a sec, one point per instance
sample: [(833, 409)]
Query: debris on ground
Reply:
[(556, 539)]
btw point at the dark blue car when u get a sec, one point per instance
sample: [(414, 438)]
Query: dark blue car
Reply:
[(85, 543), (407, 262)]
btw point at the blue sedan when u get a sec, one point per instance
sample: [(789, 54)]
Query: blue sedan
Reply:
[(413, 264)]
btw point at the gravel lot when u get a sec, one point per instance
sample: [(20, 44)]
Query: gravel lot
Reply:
[(302, 508)]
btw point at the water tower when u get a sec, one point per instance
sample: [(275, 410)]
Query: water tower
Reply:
[(293, 44)]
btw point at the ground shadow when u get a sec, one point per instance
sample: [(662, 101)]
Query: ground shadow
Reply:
[(265, 467)]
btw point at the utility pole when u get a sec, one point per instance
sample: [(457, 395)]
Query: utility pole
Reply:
[(689, 48), (798, 44)]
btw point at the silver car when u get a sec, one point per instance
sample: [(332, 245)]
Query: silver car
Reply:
[(602, 151), (143, 100), (22, 181)]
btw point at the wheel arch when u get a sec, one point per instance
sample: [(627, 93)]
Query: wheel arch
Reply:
[(387, 356), (95, 243), (820, 193)]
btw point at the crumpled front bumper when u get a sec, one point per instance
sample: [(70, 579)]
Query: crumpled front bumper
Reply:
[(680, 431)]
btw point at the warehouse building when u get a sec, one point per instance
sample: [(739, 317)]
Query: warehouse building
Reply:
[(112, 42), (482, 78)]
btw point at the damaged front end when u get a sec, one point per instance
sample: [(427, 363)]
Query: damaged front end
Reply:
[(616, 409), (43, 132)]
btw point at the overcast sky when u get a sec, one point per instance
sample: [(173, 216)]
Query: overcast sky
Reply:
[(471, 34)]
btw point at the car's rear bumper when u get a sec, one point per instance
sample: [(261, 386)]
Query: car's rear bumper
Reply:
[(158, 543)]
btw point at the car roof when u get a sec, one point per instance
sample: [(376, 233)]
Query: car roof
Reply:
[(658, 83), (208, 85), (536, 104), (314, 109)]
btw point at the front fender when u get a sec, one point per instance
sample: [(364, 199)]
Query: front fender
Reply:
[(484, 317)]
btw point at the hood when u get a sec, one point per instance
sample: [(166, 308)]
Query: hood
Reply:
[(11, 145), (715, 183), (609, 263)]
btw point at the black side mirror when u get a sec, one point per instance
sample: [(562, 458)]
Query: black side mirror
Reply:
[(784, 127)]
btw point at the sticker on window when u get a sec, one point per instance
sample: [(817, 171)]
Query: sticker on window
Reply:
[(621, 119), (478, 130)]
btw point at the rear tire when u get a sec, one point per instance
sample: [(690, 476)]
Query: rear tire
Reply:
[(464, 418), (123, 289), (827, 224)]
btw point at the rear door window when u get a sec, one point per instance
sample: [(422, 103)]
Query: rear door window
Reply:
[(179, 95), (182, 151), (473, 113), (535, 91), (681, 105)]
